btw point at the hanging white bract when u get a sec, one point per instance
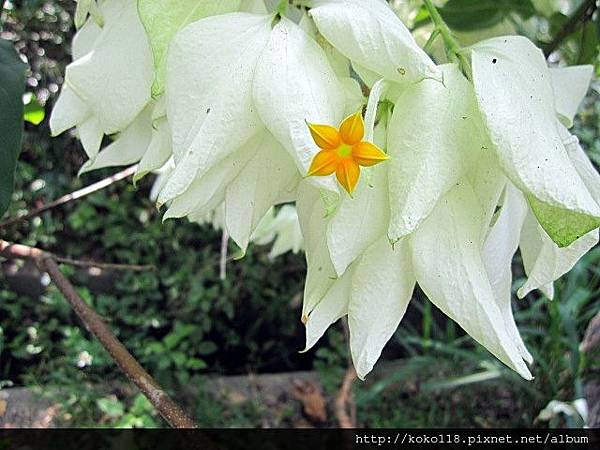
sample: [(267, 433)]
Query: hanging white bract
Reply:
[(453, 169)]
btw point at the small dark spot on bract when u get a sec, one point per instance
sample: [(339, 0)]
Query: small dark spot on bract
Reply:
[(494, 61), (208, 110), (402, 71)]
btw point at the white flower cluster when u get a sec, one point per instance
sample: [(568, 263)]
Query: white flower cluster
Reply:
[(480, 165)]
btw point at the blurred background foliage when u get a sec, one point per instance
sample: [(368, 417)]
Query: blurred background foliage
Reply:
[(184, 324)]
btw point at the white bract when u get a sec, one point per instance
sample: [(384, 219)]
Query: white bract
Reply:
[(219, 96), (442, 252), (239, 91), (108, 85), (440, 191), (370, 34), (516, 96)]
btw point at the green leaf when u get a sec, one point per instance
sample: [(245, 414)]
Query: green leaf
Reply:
[(12, 86), (206, 348), (111, 407), (588, 50), (180, 332), (33, 113), (469, 15), (196, 364), (162, 19)]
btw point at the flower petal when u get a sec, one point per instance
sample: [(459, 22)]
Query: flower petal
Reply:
[(162, 19), (544, 261), (209, 105), (446, 253), (570, 85), (379, 88), (294, 83), (515, 94), (206, 192), (128, 148), (332, 307), (353, 93), (325, 136), (281, 228), (69, 111), (530, 246), (159, 150), (433, 131), (367, 154), (256, 189), (321, 274), (347, 173), (584, 167), (352, 129), (500, 246), (324, 163), (85, 39), (359, 221), (98, 76), (90, 134), (382, 286), (369, 33)]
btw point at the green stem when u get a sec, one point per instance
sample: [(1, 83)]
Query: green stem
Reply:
[(429, 44), (282, 7), (453, 49)]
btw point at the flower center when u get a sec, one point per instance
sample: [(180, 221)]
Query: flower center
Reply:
[(344, 151)]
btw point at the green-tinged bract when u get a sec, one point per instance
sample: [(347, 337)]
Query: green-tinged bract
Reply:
[(454, 168)]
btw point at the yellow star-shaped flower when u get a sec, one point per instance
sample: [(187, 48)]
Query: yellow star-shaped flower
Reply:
[(343, 151)]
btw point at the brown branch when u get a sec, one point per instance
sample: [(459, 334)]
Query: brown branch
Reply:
[(581, 15), (73, 196), (17, 251), (344, 399), (104, 266), (167, 408), (591, 338)]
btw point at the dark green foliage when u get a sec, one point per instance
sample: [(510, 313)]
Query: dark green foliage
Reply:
[(12, 85), (469, 15)]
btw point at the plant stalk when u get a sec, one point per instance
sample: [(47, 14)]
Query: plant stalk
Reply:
[(581, 15), (282, 7), (453, 49)]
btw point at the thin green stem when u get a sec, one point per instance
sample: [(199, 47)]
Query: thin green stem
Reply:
[(429, 44), (453, 49)]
